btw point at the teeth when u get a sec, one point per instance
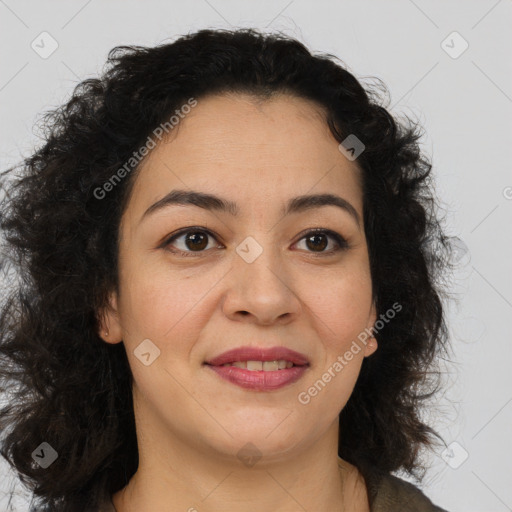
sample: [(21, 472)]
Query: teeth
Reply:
[(267, 366), (254, 365)]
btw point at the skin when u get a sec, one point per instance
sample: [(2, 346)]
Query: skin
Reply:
[(191, 424)]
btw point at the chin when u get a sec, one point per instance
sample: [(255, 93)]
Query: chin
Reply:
[(270, 443)]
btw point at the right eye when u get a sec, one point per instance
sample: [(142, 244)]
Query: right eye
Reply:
[(195, 240)]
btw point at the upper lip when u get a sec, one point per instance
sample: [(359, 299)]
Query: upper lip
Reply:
[(259, 354)]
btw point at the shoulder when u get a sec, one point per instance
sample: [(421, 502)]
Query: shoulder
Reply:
[(388, 493)]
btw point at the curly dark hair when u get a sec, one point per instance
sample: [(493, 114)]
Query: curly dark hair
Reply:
[(69, 388)]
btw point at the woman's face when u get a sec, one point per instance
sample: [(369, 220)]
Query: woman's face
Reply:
[(250, 279)]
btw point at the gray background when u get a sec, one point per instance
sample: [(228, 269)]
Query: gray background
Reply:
[(465, 106)]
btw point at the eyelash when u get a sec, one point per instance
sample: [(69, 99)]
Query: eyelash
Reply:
[(342, 243)]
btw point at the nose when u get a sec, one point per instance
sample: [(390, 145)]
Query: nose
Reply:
[(261, 291)]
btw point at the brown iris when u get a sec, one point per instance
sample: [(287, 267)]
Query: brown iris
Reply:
[(198, 240), (317, 245)]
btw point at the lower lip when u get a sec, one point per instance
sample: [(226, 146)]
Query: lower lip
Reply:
[(258, 379)]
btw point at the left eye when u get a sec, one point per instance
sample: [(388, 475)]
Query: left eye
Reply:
[(196, 241), (318, 238)]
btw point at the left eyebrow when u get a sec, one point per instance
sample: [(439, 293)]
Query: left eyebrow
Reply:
[(214, 203)]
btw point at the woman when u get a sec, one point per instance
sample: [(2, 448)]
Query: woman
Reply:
[(228, 255)]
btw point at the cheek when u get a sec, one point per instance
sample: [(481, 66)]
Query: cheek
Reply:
[(154, 306), (166, 307), (341, 307), (343, 304)]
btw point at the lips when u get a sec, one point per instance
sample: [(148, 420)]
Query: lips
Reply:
[(259, 354)]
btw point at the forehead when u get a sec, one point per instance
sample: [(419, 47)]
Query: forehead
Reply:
[(240, 144), (243, 121)]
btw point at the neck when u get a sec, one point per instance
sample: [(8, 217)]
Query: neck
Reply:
[(200, 484)]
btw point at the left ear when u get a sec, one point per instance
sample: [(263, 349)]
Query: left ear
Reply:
[(371, 343)]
